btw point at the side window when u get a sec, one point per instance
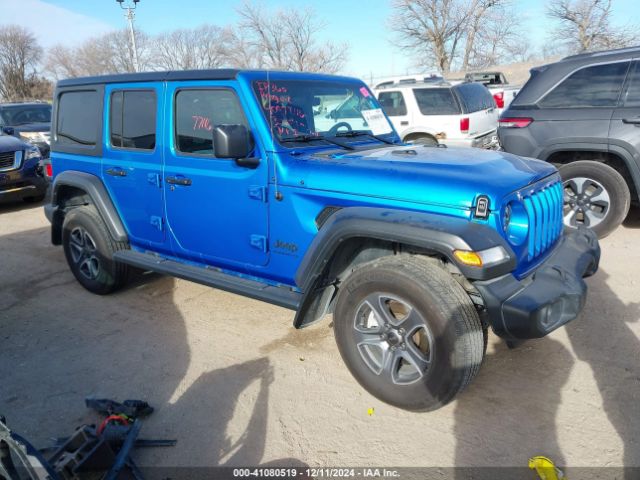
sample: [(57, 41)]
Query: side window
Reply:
[(632, 97), (133, 119), (475, 97), (436, 101), (78, 118), (597, 86), (197, 112), (393, 103)]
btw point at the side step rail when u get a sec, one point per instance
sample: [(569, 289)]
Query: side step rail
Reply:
[(281, 296)]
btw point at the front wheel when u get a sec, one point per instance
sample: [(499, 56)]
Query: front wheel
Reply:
[(595, 196), (408, 332)]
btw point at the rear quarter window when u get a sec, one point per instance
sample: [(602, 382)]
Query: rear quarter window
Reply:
[(79, 118), (474, 97), (436, 101), (596, 86)]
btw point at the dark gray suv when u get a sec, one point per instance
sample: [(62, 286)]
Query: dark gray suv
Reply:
[(583, 114)]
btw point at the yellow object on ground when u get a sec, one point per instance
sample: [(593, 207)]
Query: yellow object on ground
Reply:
[(545, 469)]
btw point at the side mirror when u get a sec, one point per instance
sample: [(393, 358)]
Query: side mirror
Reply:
[(9, 130), (234, 141)]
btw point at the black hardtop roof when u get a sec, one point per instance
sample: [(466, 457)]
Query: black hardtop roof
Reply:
[(217, 74)]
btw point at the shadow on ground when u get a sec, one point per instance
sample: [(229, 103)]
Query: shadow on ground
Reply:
[(509, 411), (60, 343)]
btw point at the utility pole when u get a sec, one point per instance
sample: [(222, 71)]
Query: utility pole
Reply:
[(130, 16)]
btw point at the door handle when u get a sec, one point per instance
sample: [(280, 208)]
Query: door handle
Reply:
[(185, 182), (632, 121), (404, 123), (116, 172)]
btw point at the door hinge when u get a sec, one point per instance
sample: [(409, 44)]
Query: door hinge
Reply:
[(259, 242), (156, 222), (154, 179), (258, 193)]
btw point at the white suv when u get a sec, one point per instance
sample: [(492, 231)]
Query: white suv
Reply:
[(463, 115)]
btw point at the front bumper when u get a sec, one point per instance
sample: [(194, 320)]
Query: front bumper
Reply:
[(26, 181), (553, 295)]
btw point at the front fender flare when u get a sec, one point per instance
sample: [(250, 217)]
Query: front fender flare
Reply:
[(440, 234)]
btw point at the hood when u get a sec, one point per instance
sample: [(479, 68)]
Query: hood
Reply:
[(443, 176), (10, 144)]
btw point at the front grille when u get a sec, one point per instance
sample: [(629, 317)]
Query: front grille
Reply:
[(544, 208), (7, 160)]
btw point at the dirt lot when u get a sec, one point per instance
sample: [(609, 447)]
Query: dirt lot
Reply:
[(236, 385)]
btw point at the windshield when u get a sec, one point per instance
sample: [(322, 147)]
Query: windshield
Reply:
[(23, 114), (299, 108)]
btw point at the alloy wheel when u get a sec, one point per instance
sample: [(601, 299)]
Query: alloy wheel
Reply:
[(586, 202), (84, 253), (393, 338)]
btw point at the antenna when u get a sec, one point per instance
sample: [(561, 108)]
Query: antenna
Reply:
[(278, 195)]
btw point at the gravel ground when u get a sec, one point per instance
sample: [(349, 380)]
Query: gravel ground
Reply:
[(237, 385)]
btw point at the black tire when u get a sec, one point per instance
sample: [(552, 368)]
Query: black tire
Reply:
[(595, 196), (454, 339), (89, 250)]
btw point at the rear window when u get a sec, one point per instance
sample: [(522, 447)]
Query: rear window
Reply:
[(597, 86), (393, 103), (78, 121), (436, 101), (133, 119), (474, 97)]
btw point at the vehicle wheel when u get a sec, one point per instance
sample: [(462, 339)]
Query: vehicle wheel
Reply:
[(34, 199), (408, 332), (89, 250), (425, 140), (595, 195)]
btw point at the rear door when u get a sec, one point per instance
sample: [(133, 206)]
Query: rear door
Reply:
[(479, 106), (625, 123), (217, 210), (395, 106), (132, 160)]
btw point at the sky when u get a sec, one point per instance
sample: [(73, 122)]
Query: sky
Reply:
[(362, 24)]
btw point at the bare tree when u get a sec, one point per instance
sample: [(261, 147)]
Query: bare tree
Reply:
[(483, 22), (203, 47), (586, 25), (109, 53), (19, 57), (498, 40), (287, 39), (431, 28)]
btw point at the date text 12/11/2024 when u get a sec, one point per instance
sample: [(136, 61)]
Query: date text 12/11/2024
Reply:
[(315, 473)]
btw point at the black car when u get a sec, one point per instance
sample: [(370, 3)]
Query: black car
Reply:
[(30, 122), (582, 114), (22, 171)]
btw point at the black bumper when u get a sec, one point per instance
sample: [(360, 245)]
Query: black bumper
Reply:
[(550, 297)]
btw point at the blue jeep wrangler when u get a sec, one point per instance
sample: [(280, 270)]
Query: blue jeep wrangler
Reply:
[(294, 189)]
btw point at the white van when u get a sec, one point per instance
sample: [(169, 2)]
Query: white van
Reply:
[(463, 115)]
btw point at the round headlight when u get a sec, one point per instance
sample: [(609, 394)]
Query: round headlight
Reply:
[(515, 222)]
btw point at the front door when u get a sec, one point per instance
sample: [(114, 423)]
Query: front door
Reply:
[(132, 160), (216, 210), (625, 123)]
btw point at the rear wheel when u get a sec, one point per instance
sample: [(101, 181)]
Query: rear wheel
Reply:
[(423, 140), (595, 196), (89, 250), (408, 332)]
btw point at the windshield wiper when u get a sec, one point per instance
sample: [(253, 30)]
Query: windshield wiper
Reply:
[(358, 133), (310, 138)]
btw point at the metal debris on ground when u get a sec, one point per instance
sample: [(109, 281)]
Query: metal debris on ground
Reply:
[(91, 452)]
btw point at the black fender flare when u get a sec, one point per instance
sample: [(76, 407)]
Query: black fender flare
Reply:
[(616, 147), (95, 189), (438, 233)]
